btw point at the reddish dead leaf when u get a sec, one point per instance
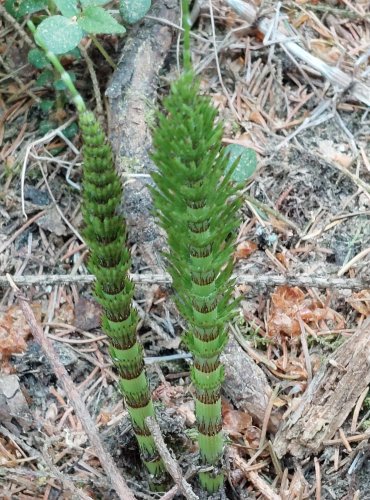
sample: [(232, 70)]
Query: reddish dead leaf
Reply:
[(236, 422), (188, 412), (245, 249), (252, 437), (65, 314), (360, 301), (14, 331), (104, 417), (288, 303), (294, 367), (87, 314)]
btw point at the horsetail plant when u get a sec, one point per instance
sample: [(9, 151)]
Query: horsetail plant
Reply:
[(109, 262), (197, 207)]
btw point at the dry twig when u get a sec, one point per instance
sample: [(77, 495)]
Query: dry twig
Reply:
[(118, 483), (338, 78), (257, 281), (170, 463)]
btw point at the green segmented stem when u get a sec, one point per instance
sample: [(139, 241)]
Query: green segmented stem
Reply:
[(197, 209), (110, 261), (196, 205), (105, 235), (54, 61)]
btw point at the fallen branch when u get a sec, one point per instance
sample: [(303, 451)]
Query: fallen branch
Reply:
[(338, 78), (260, 484), (257, 281), (118, 483)]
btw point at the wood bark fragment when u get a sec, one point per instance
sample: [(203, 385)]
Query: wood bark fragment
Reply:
[(246, 385), (329, 399), (132, 98)]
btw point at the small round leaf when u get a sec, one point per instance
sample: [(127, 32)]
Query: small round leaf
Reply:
[(133, 10), (59, 34), (31, 6), (95, 19), (247, 162), (45, 77), (37, 58)]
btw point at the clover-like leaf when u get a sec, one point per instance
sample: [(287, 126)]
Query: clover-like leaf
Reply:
[(247, 161), (133, 10), (37, 58), (20, 9), (59, 34), (67, 7), (95, 19), (47, 76)]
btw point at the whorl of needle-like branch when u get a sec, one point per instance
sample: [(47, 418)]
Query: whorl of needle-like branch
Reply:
[(110, 261), (197, 207)]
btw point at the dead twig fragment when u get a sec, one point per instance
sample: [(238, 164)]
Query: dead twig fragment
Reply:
[(118, 483), (257, 481), (170, 463), (257, 281)]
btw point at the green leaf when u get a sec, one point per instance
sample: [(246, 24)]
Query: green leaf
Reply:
[(67, 7), (45, 126), (45, 77), (247, 161), (60, 85), (18, 9), (133, 10), (11, 8), (96, 20), (71, 131), (59, 34), (37, 58), (75, 53), (31, 6), (46, 105)]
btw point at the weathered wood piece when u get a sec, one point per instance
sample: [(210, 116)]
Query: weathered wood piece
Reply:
[(329, 399), (246, 384), (132, 97)]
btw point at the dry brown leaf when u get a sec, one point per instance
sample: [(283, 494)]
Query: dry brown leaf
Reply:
[(334, 152), (252, 437), (187, 410), (65, 314), (294, 367), (360, 301), (14, 330), (104, 417), (245, 249), (236, 422), (87, 314), (168, 394), (325, 50), (288, 303)]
